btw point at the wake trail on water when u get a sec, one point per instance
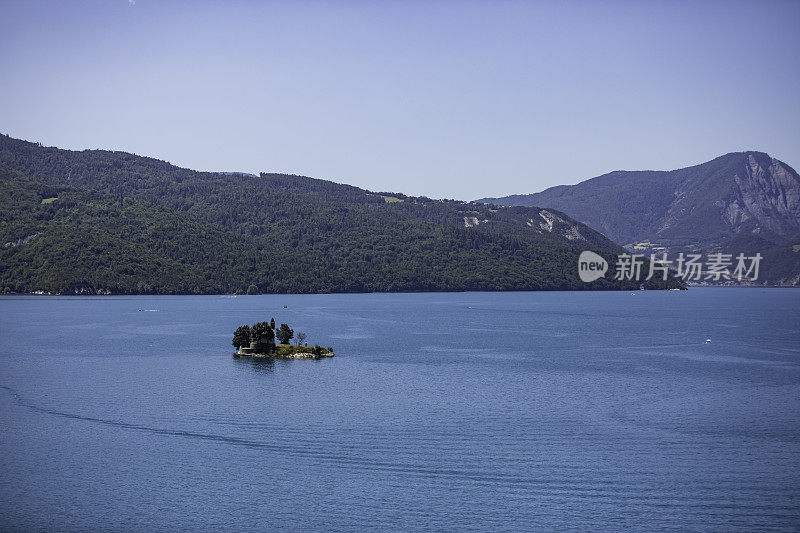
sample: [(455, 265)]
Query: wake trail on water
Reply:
[(566, 485), (337, 459)]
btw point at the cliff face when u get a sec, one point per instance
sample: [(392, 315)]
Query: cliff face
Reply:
[(739, 194), (766, 197), (747, 200)]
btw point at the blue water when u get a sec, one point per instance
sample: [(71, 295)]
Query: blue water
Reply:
[(473, 411)]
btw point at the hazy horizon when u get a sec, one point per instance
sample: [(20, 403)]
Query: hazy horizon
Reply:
[(443, 99)]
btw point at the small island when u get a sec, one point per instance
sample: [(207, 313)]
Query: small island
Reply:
[(258, 340)]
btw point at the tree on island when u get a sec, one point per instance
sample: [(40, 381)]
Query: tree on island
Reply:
[(285, 334), (264, 337), (301, 338), (272, 323), (242, 337)]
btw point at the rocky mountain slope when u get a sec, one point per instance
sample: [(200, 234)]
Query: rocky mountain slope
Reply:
[(744, 202)]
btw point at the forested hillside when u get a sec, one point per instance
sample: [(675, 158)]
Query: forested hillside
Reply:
[(97, 220)]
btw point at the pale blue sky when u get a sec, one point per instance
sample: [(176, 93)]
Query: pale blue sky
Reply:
[(446, 99)]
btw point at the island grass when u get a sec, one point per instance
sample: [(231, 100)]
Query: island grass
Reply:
[(291, 349)]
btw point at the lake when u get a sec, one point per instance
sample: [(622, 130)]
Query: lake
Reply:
[(465, 411)]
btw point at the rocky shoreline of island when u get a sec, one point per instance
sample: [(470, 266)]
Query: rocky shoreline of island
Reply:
[(293, 355)]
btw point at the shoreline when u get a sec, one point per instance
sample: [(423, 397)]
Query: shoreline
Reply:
[(296, 355)]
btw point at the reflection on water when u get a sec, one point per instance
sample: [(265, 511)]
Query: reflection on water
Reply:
[(259, 365)]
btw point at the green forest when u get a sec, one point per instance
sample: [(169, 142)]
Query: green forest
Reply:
[(97, 221)]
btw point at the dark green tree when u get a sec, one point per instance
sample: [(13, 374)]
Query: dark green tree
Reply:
[(252, 289), (264, 337), (272, 323), (285, 334), (242, 337)]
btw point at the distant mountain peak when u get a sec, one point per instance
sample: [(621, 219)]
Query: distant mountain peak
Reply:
[(738, 195)]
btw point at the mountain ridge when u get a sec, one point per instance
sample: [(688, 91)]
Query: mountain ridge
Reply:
[(706, 207), (275, 233)]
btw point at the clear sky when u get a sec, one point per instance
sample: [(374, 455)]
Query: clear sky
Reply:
[(444, 99)]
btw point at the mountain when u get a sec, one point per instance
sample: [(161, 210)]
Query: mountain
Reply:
[(744, 202), (99, 221)]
